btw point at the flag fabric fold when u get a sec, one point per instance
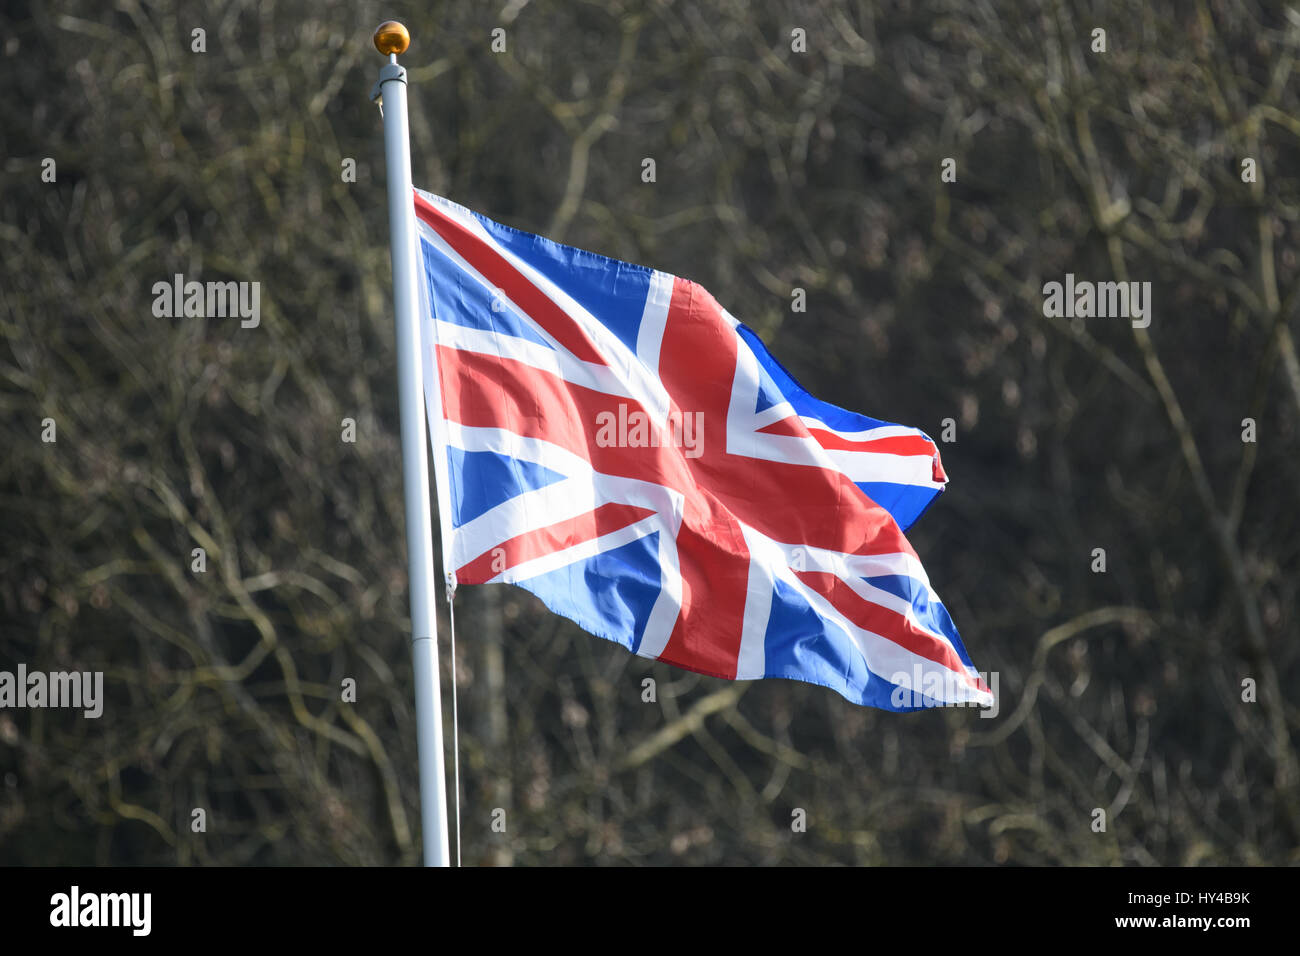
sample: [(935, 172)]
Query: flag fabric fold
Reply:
[(610, 438)]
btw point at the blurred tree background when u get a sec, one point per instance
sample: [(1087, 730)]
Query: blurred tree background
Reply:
[(776, 169)]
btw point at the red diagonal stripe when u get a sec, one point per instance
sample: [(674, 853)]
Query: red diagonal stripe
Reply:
[(498, 271), (556, 537), (887, 623), (908, 445)]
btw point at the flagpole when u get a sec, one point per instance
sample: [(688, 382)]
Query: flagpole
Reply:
[(391, 38)]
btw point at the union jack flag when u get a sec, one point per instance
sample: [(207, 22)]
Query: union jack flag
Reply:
[(612, 439)]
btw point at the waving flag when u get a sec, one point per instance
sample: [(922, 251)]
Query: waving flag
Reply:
[(610, 438)]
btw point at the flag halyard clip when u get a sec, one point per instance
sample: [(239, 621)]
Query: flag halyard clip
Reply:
[(390, 71)]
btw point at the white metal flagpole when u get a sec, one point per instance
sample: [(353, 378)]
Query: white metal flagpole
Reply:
[(391, 38)]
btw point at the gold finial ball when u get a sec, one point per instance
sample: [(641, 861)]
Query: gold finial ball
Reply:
[(391, 37)]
